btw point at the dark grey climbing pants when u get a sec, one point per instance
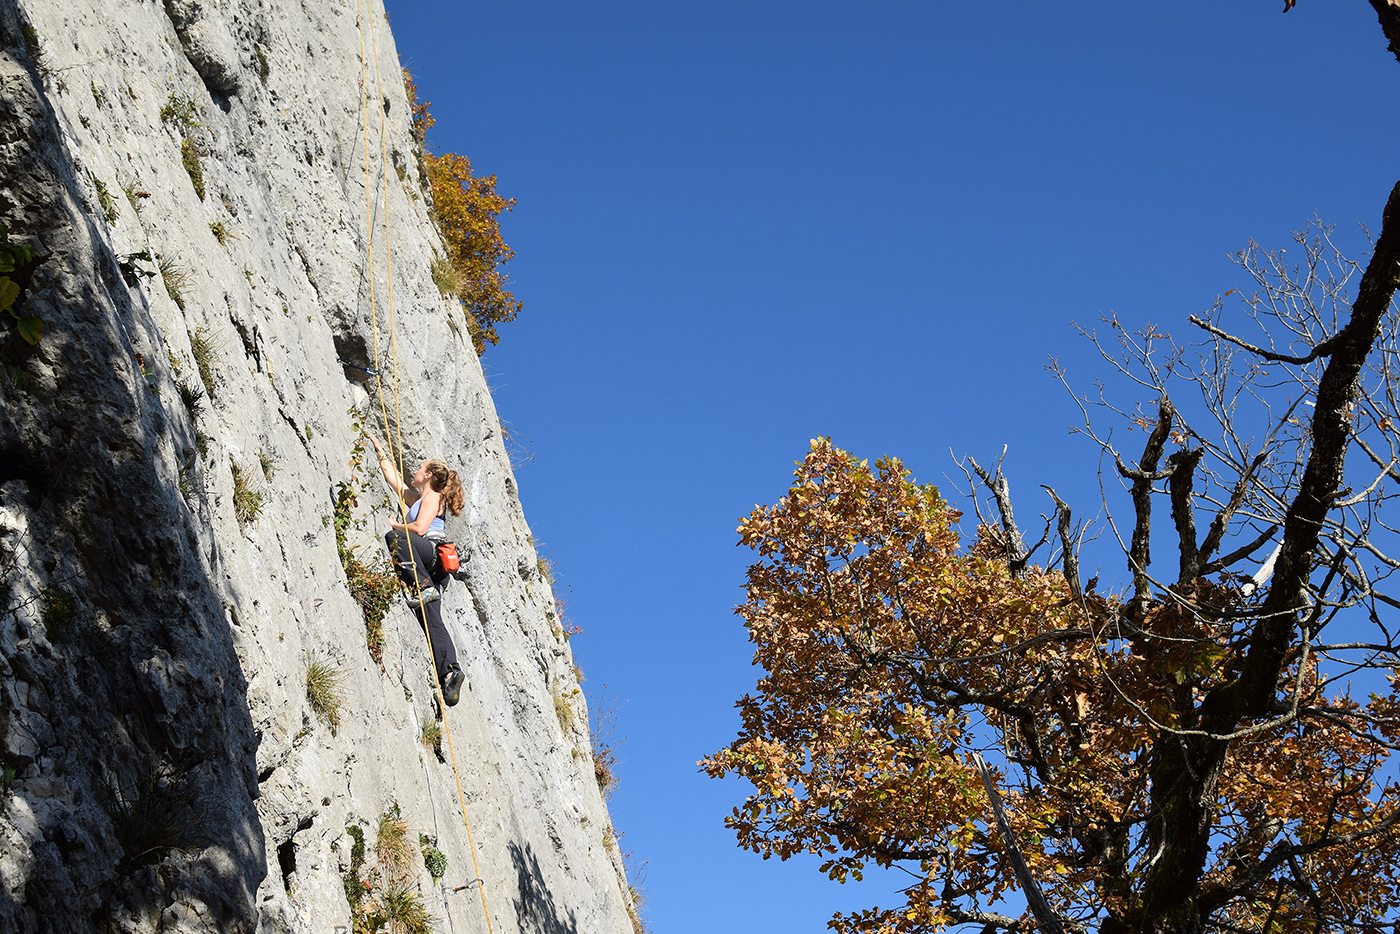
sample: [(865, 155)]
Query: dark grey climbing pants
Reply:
[(410, 552)]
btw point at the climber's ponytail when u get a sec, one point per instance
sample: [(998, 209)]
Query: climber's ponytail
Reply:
[(446, 482)]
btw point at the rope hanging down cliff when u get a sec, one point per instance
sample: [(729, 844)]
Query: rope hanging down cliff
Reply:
[(395, 441)]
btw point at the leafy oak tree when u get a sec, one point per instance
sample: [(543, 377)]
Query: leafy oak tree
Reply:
[(1186, 755)]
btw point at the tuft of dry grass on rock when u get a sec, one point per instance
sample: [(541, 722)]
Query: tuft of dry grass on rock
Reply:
[(432, 737), (154, 817), (247, 502), (323, 690), (392, 844), (404, 910), (447, 277), (175, 279)]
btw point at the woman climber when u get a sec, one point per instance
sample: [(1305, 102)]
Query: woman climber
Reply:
[(431, 491)]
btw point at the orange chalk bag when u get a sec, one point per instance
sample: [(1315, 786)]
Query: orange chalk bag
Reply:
[(447, 557)]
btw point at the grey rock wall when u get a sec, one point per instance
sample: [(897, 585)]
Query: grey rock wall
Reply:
[(153, 647)]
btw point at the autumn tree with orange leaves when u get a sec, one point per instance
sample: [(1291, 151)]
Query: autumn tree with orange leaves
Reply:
[(467, 209), (1206, 749)]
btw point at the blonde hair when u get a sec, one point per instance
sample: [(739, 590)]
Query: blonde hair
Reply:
[(445, 481)]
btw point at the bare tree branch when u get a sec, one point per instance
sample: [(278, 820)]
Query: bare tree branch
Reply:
[(1183, 464), (1069, 547), (1016, 554), (1046, 917), (1139, 554), (1221, 522), (1321, 350), (1322, 478), (1244, 551)]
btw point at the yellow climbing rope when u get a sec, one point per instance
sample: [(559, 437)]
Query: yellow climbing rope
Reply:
[(396, 446)]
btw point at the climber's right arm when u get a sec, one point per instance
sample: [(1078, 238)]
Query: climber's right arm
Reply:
[(386, 466)]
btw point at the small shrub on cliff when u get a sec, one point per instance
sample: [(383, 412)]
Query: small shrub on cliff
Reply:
[(446, 277), (17, 265), (134, 195), (386, 899), (605, 770), (373, 589), (110, 211), (20, 380), (634, 909), (404, 911), (34, 48), (180, 111), (390, 901), (603, 711), (189, 158), (564, 709), (466, 209), (434, 860), (188, 479), (56, 610), (129, 265), (354, 885), (192, 397)]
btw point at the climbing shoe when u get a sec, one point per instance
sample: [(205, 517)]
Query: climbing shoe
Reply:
[(429, 595), (452, 685)]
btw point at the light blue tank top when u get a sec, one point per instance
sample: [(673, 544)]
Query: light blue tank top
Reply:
[(437, 530)]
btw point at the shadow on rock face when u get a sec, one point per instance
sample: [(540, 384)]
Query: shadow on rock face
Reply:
[(125, 734), (535, 907)]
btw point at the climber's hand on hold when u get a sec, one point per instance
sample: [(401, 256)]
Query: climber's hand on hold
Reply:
[(386, 466)]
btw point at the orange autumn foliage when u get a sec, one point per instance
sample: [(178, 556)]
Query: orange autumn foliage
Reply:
[(467, 209), (892, 651)]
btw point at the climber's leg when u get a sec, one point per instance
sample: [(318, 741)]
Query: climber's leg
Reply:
[(444, 652), (412, 553)]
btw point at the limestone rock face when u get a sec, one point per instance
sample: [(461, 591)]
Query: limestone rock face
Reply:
[(207, 42), (193, 177)]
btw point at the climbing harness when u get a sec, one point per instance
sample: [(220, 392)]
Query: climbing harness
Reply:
[(362, 8)]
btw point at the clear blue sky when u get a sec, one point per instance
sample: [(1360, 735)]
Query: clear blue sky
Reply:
[(743, 225)]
